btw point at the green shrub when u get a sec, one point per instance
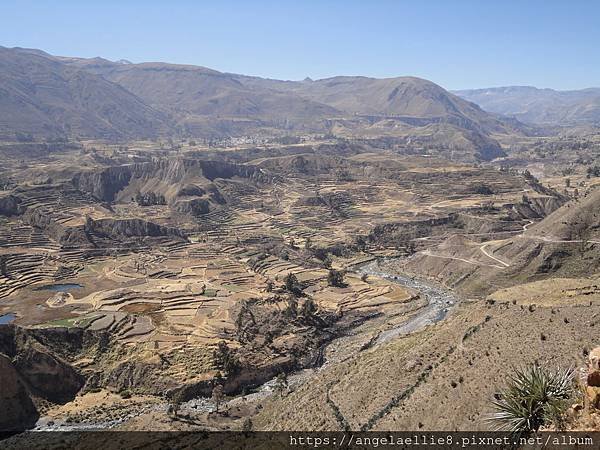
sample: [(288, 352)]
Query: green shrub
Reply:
[(292, 284), (335, 278), (125, 394), (533, 397)]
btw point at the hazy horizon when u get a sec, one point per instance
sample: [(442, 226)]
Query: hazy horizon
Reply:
[(463, 45)]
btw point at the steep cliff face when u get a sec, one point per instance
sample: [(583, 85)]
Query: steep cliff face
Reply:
[(103, 184), (312, 164), (186, 185), (18, 411), (47, 375), (538, 207), (34, 367), (130, 228), (170, 176), (218, 169)]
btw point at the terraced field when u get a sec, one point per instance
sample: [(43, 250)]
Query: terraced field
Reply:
[(238, 257)]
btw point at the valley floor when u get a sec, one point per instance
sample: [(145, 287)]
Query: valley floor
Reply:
[(349, 289)]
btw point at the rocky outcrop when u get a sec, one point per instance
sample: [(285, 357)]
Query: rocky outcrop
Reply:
[(10, 206), (142, 377), (333, 200), (215, 195), (250, 377), (195, 207), (43, 220), (593, 378), (97, 233), (40, 356), (398, 233), (191, 190)]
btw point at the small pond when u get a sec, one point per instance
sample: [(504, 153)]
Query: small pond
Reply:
[(5, 319), (66, 287)]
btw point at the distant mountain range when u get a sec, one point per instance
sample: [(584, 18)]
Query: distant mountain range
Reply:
[(42, 96), (205, 93), (45, 95), (539, 106)]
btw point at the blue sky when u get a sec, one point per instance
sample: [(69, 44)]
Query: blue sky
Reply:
[(457, 44)]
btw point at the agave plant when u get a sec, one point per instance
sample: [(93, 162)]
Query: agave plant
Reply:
[(533, 397)]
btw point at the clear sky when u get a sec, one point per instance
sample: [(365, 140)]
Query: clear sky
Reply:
[(455, 43)]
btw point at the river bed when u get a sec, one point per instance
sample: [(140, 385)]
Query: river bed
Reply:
[(439, 302)]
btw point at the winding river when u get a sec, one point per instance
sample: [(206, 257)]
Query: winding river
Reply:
[(439, 301)]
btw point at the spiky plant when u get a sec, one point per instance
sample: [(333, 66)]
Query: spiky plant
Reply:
[(533, 397)]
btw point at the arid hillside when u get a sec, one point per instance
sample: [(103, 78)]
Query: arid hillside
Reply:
[(444, 377), (563, 244), (45, 98)]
